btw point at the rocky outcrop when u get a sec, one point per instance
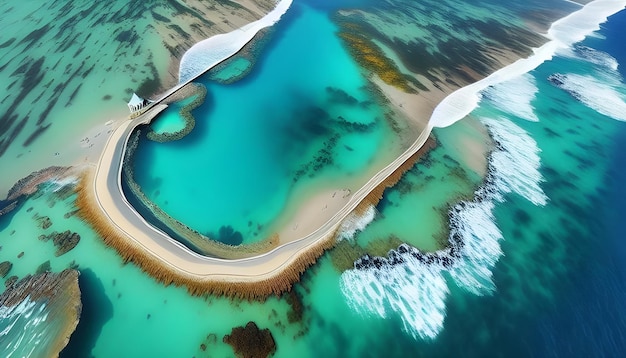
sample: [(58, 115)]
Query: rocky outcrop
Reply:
[(61, 295), (251, 342), (29, 184), (5, 268), (63, 241)]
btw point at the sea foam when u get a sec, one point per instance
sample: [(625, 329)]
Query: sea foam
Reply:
[(594, 56), (208, 53), (515, 96), (354, 223), (23, 326), (600, 94), (410, 284), (562, 35), (602, 90)]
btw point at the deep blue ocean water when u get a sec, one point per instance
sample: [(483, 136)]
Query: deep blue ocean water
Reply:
[(560, 288), (590, 317), (575, 283)]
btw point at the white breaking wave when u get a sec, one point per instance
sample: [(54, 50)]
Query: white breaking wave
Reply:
[(515, 96), (411, 285), (210, 52), (59, 184), (516, 163), (601, 95), (475, 224), (354, 223), (414, 291), (603, 90), (23, 326), (594, 56), (562, 34)]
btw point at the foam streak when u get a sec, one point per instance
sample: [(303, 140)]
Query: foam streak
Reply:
[(208, 53), (562, 34), (410, 284)]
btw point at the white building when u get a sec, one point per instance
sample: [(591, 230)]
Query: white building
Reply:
[(137, 103)]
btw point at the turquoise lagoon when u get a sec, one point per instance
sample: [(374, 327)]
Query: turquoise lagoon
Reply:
[(304, 117), (555, 286)]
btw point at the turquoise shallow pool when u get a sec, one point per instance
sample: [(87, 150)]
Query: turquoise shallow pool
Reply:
[(304, 112)]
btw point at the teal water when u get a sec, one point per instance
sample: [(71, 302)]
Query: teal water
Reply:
[(170, 120), (255, 148), (560, 271), (252, 146), (548, 238)]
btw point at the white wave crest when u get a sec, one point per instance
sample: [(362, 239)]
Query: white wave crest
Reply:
[(515, 96), (591, 55), (208, 53), (562, 34), (601, 94), (355, 223), (415, 289), (24, 327), (61, 183), (516, 164), (475, 224)]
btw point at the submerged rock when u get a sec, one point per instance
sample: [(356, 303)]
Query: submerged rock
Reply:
[(5, 268), (54, 299), (250, 341), (10, 281), (45, 222), (63, 241), (44, 267)]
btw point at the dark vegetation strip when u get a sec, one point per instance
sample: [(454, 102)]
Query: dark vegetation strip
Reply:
[(39, 131)]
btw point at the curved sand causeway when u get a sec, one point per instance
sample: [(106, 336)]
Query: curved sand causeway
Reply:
[(106, 192)]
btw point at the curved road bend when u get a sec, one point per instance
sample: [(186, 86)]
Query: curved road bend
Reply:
[(111, 200)]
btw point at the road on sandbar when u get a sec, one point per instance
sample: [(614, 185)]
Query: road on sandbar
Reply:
[(107, 190)]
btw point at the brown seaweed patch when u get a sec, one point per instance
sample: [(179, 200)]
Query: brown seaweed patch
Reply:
[(294, 299), (251, 342), (372, 58), (44, 267), (346, 252), (5, 268), (250, 52), (63, 241), (129, 251)]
